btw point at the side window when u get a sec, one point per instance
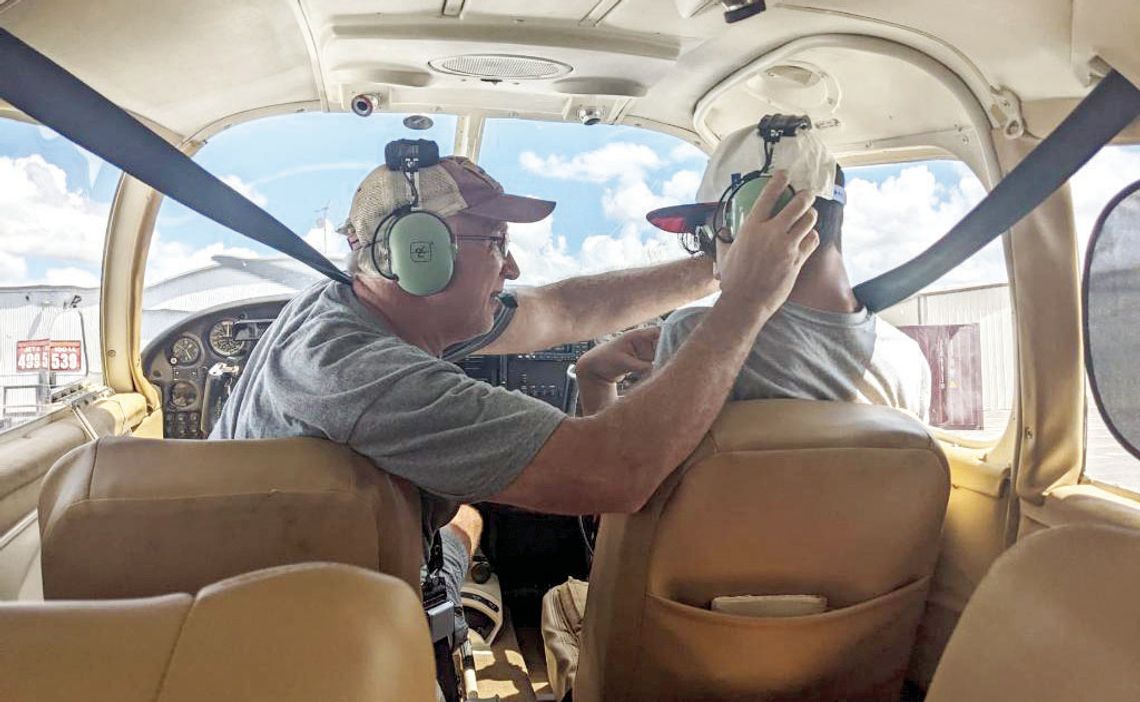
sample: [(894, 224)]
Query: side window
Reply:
[(54, 202), (963, 322), (1106, 461), (605, 179), (303, 169)]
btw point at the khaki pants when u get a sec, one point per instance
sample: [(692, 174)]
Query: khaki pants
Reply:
[(562, 610)]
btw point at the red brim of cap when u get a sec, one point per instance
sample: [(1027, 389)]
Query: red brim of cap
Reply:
[(680, 219), (513, 208)]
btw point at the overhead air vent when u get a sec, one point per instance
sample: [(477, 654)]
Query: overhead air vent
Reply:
[(497, 67)]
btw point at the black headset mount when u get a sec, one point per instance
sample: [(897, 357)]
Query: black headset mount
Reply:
[(405, 156), (772, 128), (408, 156)]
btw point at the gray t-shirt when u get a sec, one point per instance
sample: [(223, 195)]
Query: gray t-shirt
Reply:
[(329, 368), (815, 355)]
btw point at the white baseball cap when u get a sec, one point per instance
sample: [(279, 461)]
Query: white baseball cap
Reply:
[(810, 166)]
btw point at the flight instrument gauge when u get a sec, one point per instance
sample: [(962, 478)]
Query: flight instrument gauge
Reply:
[(222, 340), (183, 395), (185, 351)]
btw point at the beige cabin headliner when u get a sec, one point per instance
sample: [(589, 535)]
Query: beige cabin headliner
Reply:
[(191, 68)]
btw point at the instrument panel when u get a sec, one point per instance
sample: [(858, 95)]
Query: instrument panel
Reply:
[(196, 362), (542, 375)]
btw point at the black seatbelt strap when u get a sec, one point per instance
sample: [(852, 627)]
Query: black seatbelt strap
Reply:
[(56, 99), (1108, 109)]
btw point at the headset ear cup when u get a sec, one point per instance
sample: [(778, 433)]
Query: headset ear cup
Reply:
[(421, 253)]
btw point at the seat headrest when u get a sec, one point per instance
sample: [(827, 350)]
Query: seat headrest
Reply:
[(771, 425), (1055, 618), (124, 517), (293, 633)]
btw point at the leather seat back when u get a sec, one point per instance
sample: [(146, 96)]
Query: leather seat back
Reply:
[(1056, 618), (782, 497), (124, 517), (290, 634)]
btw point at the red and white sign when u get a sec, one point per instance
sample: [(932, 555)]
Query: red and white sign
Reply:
[(34, 355)]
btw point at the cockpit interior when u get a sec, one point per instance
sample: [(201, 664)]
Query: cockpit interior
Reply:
[(172, 175)]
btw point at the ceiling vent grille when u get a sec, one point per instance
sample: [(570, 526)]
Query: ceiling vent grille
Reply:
[(500, 67)]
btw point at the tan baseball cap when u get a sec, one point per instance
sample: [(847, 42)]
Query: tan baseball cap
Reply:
[(453, 185)]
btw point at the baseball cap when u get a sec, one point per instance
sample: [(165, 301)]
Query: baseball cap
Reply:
[(810, 166), (453, 185)]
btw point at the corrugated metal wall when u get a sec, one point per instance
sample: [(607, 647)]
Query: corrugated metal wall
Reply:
[(987, 306)]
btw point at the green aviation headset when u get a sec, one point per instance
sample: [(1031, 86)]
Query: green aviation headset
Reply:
[(744, 190), (420, 247)]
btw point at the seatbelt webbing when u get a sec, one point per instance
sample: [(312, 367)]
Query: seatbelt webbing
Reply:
[(46, 92), (1108, 109)]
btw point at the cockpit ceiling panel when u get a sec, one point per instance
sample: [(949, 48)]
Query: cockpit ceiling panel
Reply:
[(180, 64), (571, 10), (189, 65), (1022, 44), (852, 96)]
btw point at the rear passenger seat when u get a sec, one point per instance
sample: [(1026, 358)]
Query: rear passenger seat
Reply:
[(290, 634), (1056, 618)]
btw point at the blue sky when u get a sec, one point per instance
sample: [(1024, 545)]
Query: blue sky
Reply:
[(54, 197)]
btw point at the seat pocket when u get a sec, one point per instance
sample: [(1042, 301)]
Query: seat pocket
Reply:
[(852, 653)]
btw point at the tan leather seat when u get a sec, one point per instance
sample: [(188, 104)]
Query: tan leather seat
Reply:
[(294, 633), (125, 517), (1055, 619), (782, 497)]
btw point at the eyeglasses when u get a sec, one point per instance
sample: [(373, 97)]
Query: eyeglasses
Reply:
[(501, 241)]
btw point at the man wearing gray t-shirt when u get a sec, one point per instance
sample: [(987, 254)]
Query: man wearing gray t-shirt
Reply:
[(361, 364)]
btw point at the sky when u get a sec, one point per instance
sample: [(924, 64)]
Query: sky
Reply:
[(55, 197)]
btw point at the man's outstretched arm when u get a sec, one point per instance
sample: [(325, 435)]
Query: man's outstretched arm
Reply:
[(590, 306), (612, 461)]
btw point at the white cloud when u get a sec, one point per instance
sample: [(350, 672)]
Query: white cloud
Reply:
[(1105, 175), (12, 268), (617, 160), (685, 151), (42, 217), (325, 239), (682, 187), (71, 275), (251, 193), (889, 223), (170, 258), (544, 255)]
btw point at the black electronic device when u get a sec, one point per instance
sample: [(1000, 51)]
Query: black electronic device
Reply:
[(410, 155), (773, 127), (485, 368)]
